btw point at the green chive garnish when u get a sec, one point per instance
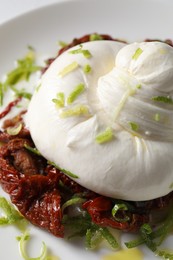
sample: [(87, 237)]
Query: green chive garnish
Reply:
[(72, 201), (105, 136), (138, 86), (134, 126), (11, 214), (33, 150), (86, 53), (60, 100), (157, 117), (77, 110), (120, 207), (69, 68), (70, 174), (87, 68), (167, 100), (25, 67), (137, 53), (79, 89)]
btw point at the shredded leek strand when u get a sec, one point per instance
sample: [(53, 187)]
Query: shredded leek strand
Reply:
[(60, 100), (69, 68), (87, 68), (22, 241), (137, 53), (79, 89), (33, 150), (12, 216), (25, 67), (86, 53), (72, 201), (119, 207), (105, 136), (78, 110)]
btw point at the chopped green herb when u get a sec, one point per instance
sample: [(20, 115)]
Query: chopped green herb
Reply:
[(105, 136), (78, 110), (87, 68), (153, 239), (163, 99), (83, 226), (157, 117), (33, 150), (25, 67), (86, 53), (69, 68), (22, 241), (21, 93), (79, 89), (137, 53), (12, 216), (14, 130), (134, 126), (95, 37), (93, 238), (60, 100), (38, 87), (62, 44), (171, 186), (70, 174), (146, 232), (138, 86), (109, 237), (72, 201), (119, 208)]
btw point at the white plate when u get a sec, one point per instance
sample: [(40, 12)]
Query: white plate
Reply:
[(42, 28)]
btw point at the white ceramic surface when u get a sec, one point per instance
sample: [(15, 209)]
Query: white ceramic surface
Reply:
[(128, 19)]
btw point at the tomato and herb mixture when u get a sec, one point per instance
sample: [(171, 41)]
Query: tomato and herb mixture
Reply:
[(46, 195)]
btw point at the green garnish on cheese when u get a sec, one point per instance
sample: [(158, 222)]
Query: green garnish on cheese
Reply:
[(80, 50), (105, 136), (69, 68), (87, 69), (137, 53), (157, 117), (79, 89), (134, 126), (60, 100), (163, 99), (78, 110)]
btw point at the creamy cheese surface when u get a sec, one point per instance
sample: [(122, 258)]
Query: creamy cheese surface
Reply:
[(104, 112)]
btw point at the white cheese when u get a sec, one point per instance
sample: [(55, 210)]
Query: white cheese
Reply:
[(136, 163)]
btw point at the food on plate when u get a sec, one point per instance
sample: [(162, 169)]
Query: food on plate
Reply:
[(93, 151)]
